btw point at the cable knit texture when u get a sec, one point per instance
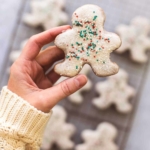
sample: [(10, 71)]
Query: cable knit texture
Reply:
[(21, 125)]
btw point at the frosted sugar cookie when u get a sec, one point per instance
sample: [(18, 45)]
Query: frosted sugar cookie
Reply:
[(46, 13), (135, 39), (115, 90), (100, 139), (87, 43), (58, 131)]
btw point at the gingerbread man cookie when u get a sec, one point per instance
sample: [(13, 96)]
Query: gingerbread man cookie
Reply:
[(58, 131), (135, 39), (87, 43), (115, 90), (101, 139), (46, 13)]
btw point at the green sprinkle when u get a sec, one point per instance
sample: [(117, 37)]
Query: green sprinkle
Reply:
[(99, 48), (78, 57), (95, 17), (77, 23), (76, 67), (92, 46), (104, 62), (67, 56), (83, 33), (93, 11), (78, 43), (97, 60), (71, 44)]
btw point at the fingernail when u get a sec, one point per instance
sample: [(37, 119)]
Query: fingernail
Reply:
[(80, 80)]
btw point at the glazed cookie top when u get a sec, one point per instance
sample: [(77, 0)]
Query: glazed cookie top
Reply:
[(44, 12), (87, 42), (58, 131), (101, 139), (115, 91), (135, 39)]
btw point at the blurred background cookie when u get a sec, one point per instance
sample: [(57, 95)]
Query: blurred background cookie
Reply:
[(135, 39), (46, 13), (115, 91), (58, 131), (101, 139)]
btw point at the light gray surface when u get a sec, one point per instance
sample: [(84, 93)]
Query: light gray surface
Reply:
[(86, 116), (9, 17), (139, 138)]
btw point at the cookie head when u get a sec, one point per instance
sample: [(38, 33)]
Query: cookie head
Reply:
[(87, 43), (142, 24), (88, 14), (108, 130)]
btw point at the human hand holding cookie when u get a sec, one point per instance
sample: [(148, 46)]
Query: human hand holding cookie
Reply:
[(87, 43)]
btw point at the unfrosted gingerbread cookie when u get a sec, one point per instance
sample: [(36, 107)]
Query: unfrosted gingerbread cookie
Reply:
[(77, 97), (46, 13), (135, 39), (101, 139), (58, 131), (115, 90), (87, 43)]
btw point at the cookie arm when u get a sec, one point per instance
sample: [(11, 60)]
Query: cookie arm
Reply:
[(138, 53), (32, 20), (122, 31), (114, 41)]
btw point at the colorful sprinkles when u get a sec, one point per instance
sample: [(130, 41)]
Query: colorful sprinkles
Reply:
[(90, 33)]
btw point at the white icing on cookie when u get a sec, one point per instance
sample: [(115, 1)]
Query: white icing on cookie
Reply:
[(46, 13), (115, 90), (58, 131), (135, 39), (101, 139), (87, 43)]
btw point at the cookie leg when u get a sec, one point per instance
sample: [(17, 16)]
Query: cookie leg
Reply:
[(101, 103), (68, 68), (124, 107), (64, 143), (32, 20), (104, 68), (81, 147), (76, 98), (139, 55)]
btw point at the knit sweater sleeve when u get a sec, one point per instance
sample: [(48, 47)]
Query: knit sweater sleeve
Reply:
[(21, 125)]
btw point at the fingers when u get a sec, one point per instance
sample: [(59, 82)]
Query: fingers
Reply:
[(36, 42), (62, 90), (52, 76), (49, 56)]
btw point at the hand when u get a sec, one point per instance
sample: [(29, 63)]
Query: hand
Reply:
[(28, 78)]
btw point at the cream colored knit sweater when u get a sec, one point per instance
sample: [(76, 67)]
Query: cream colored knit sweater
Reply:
[(21, 125)]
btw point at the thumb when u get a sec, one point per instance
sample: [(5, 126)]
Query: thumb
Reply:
[(64, 89)]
